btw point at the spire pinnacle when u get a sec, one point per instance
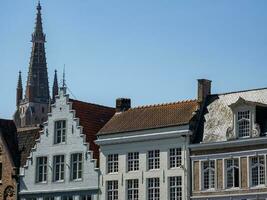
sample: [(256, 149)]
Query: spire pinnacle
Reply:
[(39, 7), (55, 87), (19, 81)]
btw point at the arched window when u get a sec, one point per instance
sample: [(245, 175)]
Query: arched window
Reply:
[(208, 174), (257, 170), (243, 123), (232, 173)]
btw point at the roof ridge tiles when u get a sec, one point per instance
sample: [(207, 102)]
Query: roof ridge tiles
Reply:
[(163, 104)]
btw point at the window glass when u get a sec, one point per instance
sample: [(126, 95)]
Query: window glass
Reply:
[(132, 189), (133, 161), (208, 174), (76, 166), (243, 123), (154, 159), (153, 187), (58, 167), (257, 170), (232, 173), (113, 163), (60, 132), (175, 187), (175, 157), (112, 190), (41, 169)]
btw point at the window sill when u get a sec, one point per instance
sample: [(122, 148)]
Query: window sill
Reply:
[(232, 189), (113, 173), (209, 190), (258, 187), (77, 180), (151, 170), (41, 183), (133, 171), (59, 182)]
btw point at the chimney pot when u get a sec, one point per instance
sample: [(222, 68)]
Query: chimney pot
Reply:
[(204, 89), (123, 104)]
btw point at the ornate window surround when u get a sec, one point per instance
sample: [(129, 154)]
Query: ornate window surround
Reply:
[(241, 105)]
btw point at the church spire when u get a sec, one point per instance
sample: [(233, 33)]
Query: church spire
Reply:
[(55, 87), (19, 90), (37, 89)]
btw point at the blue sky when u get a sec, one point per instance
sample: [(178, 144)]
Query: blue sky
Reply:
[(149, 50)]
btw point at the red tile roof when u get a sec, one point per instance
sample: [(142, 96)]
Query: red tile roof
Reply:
[(92, 118), (26, 140), (150, 117)]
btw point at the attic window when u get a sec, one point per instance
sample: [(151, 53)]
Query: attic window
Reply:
[(243, 123)]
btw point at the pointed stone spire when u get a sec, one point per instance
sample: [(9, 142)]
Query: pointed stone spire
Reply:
[(19, 90), (37, 89), (55, 87)]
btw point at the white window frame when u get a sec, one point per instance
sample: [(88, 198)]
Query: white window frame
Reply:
[(41, 166), (60, 133), (153, 188), (113, 163), (133, 161), (209, 169), (112, 190), (175, 188), (153, 159), (61, 165), (76, 166), (175, 157), (232, 169), (258, 165), (244, 118), (132, 189)]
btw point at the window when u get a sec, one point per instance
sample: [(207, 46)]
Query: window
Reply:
[(132, 189), (112, 190), (175, 157), (49, 198), (133, 161), (232, 173), (60, 131), (85, 197), (175, 184), (76, 166), (113, 163), (58, 167), (67, 198), (243, 123), (153, 189), (41, 169), (153, 159), (209, 174), (257, 168)]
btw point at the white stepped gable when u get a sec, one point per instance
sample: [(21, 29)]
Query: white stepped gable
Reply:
[(75, 143)]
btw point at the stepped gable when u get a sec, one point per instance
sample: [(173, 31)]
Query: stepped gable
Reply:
[(26, 141), (92, 118), (151, 116), (9, 133)]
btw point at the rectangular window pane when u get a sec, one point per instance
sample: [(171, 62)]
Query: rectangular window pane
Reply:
[(112, 190), (132, 189), (153, 189), (113, 163), (175, 158), (60, 131), (175, 186), (76, 166), (133, 161), (154, 159), (58, 167), (41, 169)]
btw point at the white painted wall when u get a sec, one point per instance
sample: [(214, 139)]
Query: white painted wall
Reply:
[(75, 142), (123, 146)]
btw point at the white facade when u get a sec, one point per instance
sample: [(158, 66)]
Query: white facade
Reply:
[(163, 139), (32, 182)]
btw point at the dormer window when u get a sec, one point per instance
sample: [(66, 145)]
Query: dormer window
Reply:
[(243, 123)]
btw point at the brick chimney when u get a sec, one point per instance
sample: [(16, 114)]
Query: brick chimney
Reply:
[(123, 104), (204, 89)]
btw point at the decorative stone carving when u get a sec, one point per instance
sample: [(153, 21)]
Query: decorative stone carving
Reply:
[(230, 135), (256, 130), (9, 192)]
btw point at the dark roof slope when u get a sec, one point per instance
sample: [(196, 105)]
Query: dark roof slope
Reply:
[(26, 140), (92, 118), (150, 117), (8, 130)]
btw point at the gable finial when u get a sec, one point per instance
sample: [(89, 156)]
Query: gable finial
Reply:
[(64, 81)]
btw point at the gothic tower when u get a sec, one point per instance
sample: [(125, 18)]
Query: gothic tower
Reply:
[(33, 108)]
